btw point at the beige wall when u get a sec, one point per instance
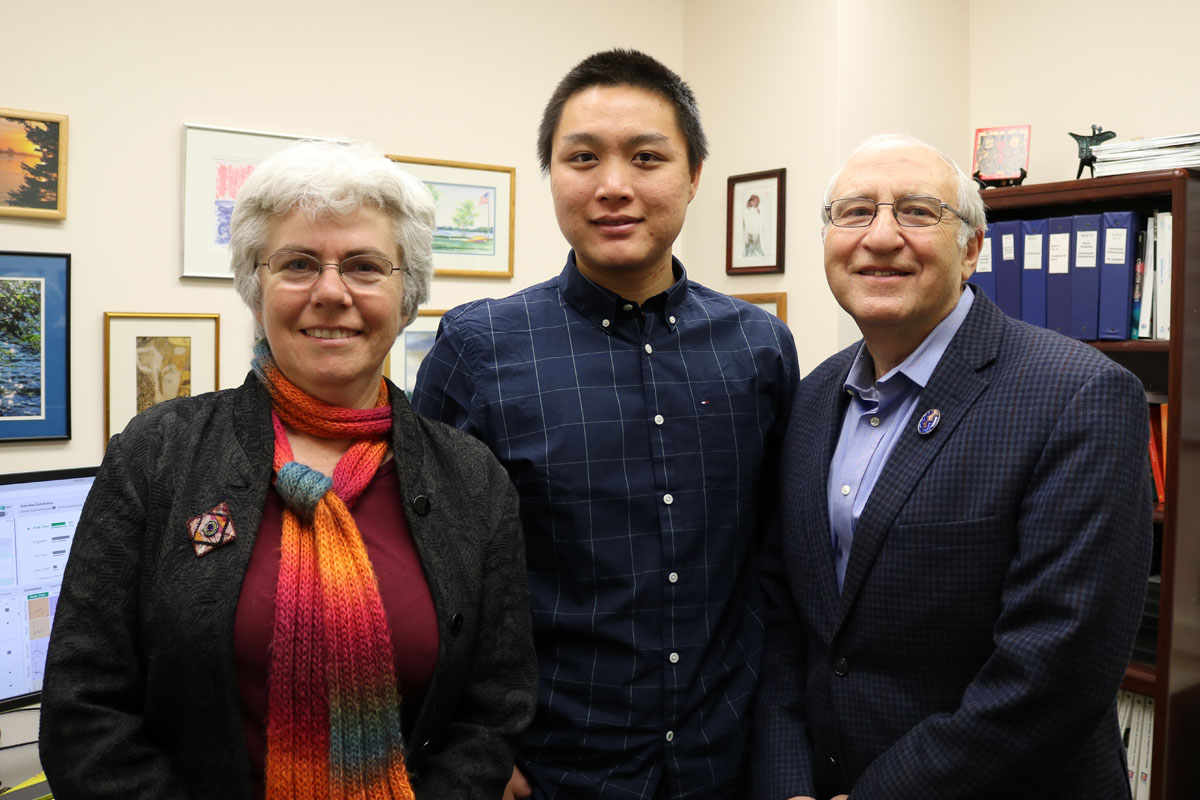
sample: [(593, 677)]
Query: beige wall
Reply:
[(799, 85), (463, 81), (782, 83)]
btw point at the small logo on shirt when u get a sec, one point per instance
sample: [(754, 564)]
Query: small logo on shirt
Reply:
[(928, 421)]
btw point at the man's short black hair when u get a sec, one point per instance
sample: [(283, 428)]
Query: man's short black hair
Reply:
[(626, 68)]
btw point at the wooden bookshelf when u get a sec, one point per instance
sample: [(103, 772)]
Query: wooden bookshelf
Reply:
[(1172, 367)]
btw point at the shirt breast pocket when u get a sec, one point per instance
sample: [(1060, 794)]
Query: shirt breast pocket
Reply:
[(731, 427)]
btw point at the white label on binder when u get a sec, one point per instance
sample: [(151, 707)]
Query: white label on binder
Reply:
[(1086, 245), (1114, 245), (1033, 251), (1060, 253), (1006, 245), (985, 256)]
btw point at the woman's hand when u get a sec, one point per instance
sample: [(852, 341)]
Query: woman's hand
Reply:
[(517, 787)]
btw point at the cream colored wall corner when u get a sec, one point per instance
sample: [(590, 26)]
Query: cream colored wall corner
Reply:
[(465, 82), (799, 85), (1065, 65)]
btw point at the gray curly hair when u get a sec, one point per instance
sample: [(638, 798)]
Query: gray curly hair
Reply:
[(338, 178)]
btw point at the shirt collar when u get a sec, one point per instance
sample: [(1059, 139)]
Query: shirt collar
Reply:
[(920, 364), (604, 307)]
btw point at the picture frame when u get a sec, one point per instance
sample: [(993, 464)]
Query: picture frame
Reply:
[(33, 164), (463, 244), (216, 162), (1001, 153), (755, 222), (772, 302), (35, 346), (411, 347), (151, 358)]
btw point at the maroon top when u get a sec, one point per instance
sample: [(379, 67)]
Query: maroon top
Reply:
[(379, 514)]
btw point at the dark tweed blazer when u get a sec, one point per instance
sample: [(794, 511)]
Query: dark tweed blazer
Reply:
[(140, 696), (993, 588)]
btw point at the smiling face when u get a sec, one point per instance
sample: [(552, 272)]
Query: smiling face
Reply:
[(329, 339), (898, 283), (621, 184)]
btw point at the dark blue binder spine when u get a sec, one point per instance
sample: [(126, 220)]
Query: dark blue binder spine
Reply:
[(1058, 273), (1085, 276), (1033, 270)]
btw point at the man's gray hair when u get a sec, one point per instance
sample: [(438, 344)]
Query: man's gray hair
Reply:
[(333, 178), (969, 202)]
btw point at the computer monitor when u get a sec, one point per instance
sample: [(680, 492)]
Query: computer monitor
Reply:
[(38, 515)]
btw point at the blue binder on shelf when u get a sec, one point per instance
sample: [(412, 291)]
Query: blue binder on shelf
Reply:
[(984, 277), (1033, 270), (1059, 243), (1118, 248), (1085, 276), (1007, 258)]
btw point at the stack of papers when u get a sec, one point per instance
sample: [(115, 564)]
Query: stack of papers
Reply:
[(1142, 155)]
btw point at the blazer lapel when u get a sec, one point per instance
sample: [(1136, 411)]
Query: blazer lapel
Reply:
[(954, 387), (813, 477)]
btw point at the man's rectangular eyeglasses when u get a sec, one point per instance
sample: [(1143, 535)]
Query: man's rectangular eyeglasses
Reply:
[(303, 269), (910, 212)]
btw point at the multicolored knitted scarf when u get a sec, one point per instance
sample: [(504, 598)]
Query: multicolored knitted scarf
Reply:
[(333, 709)]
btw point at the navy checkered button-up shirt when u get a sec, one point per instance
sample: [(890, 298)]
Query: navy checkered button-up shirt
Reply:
[(643, 442)]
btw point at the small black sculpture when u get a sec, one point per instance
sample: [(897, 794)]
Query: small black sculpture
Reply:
[(1086, 143)]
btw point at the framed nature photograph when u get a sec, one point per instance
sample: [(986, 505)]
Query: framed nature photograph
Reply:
[(1001, 153), (216, 162), (33, 164), (755, 222), (411, 347), (773, 302), (150, 358), (35, 339), (476, 215)]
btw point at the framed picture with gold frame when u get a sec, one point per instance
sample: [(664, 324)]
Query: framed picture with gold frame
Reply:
[(774, 302), (33, 164), (152, 358), (476, 215), (411, 347)]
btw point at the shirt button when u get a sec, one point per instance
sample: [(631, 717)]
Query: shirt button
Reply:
[(605, 323), (874, 422), (670, 736), (668, 499), (658, 419), (674, 658), (841, 667), (649, 349), (846, 490), (673, 577), (628, 307), (671, 320)]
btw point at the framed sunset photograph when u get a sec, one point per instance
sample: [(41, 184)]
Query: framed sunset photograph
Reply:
[(33, 164)]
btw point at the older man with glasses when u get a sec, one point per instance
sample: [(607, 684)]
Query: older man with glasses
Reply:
[(959, 569)]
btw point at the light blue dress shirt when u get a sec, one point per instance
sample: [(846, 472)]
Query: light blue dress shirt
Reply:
[(876, 415)]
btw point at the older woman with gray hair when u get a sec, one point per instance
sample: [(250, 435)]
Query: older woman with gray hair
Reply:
[(298, 588)]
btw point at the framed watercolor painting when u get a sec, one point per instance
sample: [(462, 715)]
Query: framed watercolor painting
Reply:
[(150, 358), (33, 164), (411, 347), (476, 215), (773, 302), (754, 222), (35, 340), (216, 162)]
